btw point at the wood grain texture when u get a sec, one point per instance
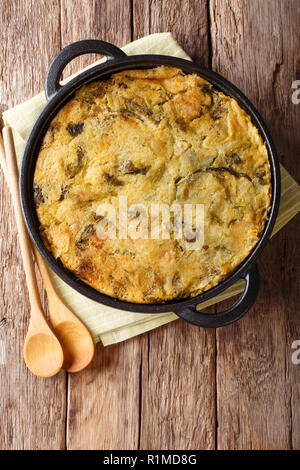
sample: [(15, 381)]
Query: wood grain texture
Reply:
[(178, 374), (255, 44), (104, 399), (187, 20), (178, 387), (32, 410), (94, 19)]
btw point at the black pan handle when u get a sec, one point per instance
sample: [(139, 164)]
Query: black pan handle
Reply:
[(233, 313), (87, 46)]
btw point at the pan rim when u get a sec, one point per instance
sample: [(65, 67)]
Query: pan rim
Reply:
[(42, 123)]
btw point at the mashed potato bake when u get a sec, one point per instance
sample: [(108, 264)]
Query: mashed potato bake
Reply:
[(152, 136)]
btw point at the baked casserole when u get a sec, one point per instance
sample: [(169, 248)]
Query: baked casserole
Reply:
[(153, 136)]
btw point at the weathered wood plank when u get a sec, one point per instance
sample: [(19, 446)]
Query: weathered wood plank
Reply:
[(104, 399), (178, 388), (186, 20), (32, 410), (94, 19), (178, 361), (158, 391), (255, 44)]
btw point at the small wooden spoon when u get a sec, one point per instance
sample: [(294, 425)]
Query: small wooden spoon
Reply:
[(75, 338), (43, 353)]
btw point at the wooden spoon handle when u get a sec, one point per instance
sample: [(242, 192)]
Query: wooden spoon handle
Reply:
[(48, 284), (40, 262), (13, 179), (3, 159)]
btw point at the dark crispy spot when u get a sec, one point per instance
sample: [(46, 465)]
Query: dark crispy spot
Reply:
[(70, 170), (177, 285), (88, 230), (63, 192), (54, 127), (86, 270), (73, 168), (206, 89), (200, 170), (235, 158), (83, 241), (138, 109), (99, 92), (112, 179), (222, 169), (178, 246), (182, 124), (216, 219), (178, 179), (122, 85), (131, 169), (38, 195), (260, 176), (142, 109), (80, 154), (244, 175), (75, 129), (97, 217)]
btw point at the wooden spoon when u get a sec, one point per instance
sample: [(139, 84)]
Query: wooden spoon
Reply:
[(75, 338), (43, 353)]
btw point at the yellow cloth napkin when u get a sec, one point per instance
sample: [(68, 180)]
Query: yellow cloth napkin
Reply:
[(109, 324)]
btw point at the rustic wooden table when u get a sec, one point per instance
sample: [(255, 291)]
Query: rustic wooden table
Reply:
[(178, 387)]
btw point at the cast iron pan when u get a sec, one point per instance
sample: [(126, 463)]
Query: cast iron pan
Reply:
[(58, 95)]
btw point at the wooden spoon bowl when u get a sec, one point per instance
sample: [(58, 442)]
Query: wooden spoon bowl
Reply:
[(78, 347), (43, 354)]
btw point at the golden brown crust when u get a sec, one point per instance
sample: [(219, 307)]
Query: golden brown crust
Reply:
[(153, 135)]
